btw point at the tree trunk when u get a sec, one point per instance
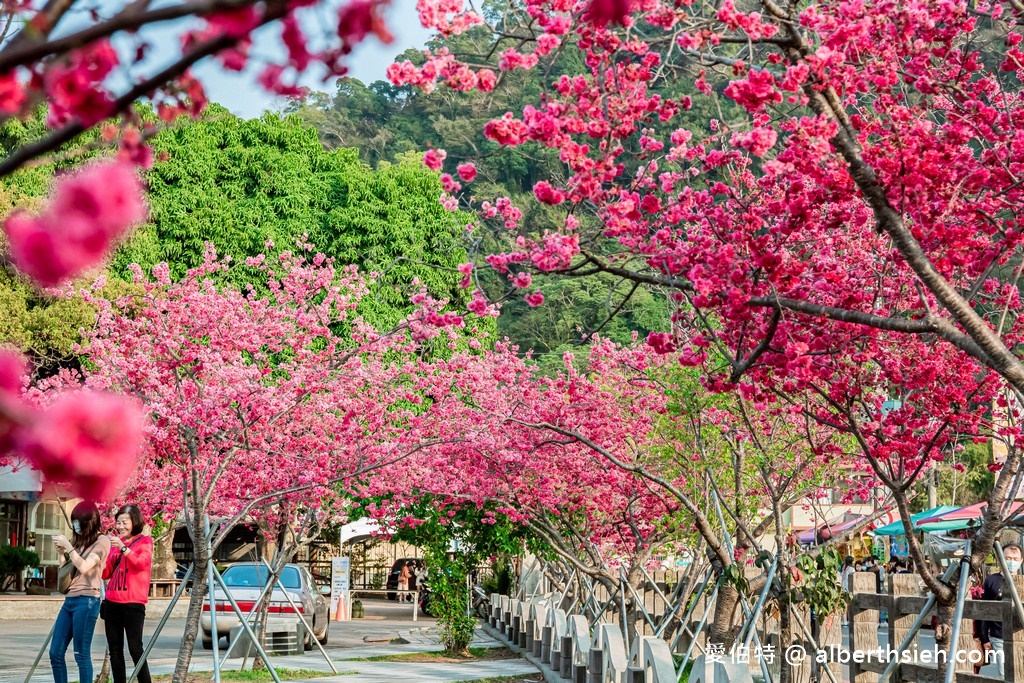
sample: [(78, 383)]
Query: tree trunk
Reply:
[(945, 610), (164, 565), (201, 565), (785, 634), (104, 675), (723, 628)]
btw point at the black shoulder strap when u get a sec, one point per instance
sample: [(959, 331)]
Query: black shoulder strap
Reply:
[(118, 560)]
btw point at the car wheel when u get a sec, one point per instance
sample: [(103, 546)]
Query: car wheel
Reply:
[(327, 631), (307, 644), (207, 643)]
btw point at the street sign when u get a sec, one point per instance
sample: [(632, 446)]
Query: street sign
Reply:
[(340, 601)]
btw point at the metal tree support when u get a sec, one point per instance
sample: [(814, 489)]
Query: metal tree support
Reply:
[(677, 602), (810, 639), (700, 627), (160, 626), (914, 628), (245, 627), (49, 636), (207, 535), (759, 605), (743, 602), (958, 614), (302, 618)]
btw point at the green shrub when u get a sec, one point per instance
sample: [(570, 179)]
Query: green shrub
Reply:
[(13, 561)]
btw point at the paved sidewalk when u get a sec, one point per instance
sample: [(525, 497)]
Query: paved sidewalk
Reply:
[(349, 642)]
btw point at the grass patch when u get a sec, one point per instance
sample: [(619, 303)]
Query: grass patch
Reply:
[(254, 675), (441, 657)]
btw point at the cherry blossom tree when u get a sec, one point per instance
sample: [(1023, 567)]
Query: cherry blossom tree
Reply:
[(609, 464), (850, 207), (833, 195), (256, 405)]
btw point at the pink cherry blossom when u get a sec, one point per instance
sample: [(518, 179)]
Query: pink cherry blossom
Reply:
[(89, 211), (434, 159), (88, 440), (602, 12), (12, 94)]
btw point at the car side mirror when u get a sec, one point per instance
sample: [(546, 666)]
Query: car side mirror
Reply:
[(325, 590)]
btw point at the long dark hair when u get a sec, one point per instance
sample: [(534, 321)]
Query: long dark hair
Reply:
[(88, 518)]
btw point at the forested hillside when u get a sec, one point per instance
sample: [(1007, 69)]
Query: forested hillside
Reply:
[(384, 122), (241, 186)]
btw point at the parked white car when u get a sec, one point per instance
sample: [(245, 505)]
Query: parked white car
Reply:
[(246, 581)]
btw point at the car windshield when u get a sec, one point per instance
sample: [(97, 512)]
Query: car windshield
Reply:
[(254, 576)]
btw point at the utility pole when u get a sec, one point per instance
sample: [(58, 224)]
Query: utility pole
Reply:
[(933, 485)]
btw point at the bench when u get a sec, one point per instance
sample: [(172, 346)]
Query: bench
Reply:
[(163, 588)]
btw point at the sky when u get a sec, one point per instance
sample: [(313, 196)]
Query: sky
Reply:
[(240, 93), (243, 96)]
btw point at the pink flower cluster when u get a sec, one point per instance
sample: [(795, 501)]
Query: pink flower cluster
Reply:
[(755, 91), (86, 439), (90, 440), (757, 141), (604, 12), (88, 212), (74, 89), (449, 17), (434, 159)]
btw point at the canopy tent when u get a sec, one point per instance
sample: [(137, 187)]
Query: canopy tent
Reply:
[(964, 518), (828, 530), (360, 529), (896, 528)]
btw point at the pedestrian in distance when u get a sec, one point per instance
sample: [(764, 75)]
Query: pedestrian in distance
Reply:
[(990, 633), (128, 570), (403, 583), (87, 551)]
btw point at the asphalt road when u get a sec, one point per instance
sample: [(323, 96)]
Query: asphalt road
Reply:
[(21, 640)]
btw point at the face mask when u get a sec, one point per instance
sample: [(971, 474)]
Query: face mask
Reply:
[(1013, 566), (77, 528)]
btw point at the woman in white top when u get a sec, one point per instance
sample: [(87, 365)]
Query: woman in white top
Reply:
[(76, 621)]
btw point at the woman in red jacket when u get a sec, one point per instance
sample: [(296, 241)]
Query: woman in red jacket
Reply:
[(128, 570)]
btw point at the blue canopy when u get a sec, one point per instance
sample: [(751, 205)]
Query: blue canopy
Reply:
[(896, 528)]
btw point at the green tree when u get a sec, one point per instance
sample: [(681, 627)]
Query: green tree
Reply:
[(240, 185), (456, 539), (14, 560)]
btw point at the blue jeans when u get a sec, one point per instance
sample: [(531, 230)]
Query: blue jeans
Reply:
[(76, 622), (998, 652)]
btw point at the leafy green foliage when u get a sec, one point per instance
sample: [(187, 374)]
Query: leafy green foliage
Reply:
[(820, 585), (240, 185), (43, 327), (476, 534), (962, 479), (14, 560)]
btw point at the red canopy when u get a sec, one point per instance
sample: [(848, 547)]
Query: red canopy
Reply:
[(975, 511)]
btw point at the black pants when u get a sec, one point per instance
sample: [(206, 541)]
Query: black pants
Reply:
[(125, 620)]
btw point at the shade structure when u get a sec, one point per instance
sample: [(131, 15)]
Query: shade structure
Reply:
[(896, 528), (811, 535), (965, 517)]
